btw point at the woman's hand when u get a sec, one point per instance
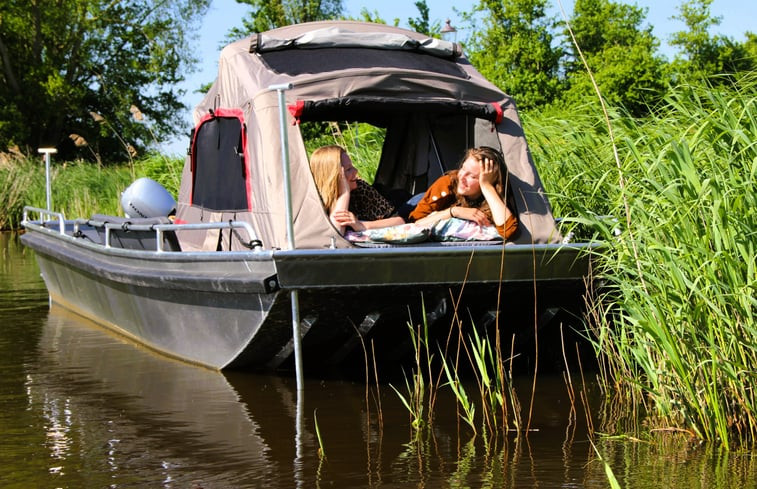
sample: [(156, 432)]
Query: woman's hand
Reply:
[(486, 179), (348, 219), (488, 173)]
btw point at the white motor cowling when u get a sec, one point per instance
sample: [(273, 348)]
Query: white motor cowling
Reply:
[(147, 198)]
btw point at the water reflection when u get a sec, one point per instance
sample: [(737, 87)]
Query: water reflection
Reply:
[(147, 414), (124, 415)]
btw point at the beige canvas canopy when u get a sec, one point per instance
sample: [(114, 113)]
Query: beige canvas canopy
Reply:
[(432, 102)]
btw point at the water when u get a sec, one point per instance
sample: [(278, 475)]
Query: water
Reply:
[(83, 408)]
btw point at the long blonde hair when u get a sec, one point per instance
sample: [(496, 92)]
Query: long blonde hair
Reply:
[(326, 165)]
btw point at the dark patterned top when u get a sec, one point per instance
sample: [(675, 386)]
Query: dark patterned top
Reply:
[(368, 204)]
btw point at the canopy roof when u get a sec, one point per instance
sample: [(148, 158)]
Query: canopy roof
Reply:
[(432, 102)]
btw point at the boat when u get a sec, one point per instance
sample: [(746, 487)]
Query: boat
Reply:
[(250, 273)]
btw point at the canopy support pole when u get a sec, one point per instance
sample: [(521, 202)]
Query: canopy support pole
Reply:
[(296, 336)]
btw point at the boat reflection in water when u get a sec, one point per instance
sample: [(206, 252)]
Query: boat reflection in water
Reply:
[(115, 414)]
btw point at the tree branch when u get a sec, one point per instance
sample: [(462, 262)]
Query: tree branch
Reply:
[(8, 69)]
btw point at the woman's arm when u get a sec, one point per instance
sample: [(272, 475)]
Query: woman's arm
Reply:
[(435, 204), (348, 219), (383, 223), (434, 217)]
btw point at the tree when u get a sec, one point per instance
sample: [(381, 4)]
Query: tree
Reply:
[(750, 46), (71, 70), (703, 54), (620, 53), (422, 23), (374, 17), (697, 46), (512, 47), (270, 14)]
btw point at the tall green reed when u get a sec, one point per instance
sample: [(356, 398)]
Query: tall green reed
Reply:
[(22, 182), (419, 386), (679, 329)]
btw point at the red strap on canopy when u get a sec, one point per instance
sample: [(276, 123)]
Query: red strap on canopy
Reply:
[(296, 110), (499, 111)]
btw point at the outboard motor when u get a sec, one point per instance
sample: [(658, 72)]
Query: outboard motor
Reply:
[(147, 198)]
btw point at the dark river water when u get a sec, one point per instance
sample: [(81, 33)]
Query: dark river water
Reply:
[(83, 408)]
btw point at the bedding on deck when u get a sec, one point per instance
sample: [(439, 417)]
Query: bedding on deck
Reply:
[(446, 230)]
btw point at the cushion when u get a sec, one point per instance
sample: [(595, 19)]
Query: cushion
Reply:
[(456, 229), (401, 234)]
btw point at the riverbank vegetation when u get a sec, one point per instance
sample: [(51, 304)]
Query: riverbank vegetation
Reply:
[(78, 187), (678, 333), (673, 326)]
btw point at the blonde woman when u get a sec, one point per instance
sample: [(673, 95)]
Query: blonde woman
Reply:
[(331, 182), (335, 177)]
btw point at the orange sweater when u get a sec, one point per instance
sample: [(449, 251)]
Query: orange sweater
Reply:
[(441, 195)]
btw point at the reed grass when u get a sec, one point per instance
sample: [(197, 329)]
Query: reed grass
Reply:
[(78, 188), (468, 413), (321, 447), (20, 184), (418, 384), (611, 479), (678, 331)]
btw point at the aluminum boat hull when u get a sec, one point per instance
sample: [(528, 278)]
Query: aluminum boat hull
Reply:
[(233, 309)]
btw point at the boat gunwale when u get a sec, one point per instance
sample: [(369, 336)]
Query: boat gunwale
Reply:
[(429, 248)]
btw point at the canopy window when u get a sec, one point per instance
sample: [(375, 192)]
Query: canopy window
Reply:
[(220, 180)]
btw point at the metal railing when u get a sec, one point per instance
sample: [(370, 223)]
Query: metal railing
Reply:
[(254, 242), (45, 215)]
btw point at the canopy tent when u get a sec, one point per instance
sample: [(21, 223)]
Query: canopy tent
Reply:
[(432, 102)]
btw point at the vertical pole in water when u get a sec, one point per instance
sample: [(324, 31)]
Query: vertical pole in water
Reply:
[(294, 297), (47, 152), (290, 227)]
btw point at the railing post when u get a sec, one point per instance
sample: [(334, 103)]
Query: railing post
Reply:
[(296, 335), (285, 160)]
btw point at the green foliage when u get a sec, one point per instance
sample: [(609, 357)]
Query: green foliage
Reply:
[(678, 329), (374, 17), (75, 67), (21, 183), (163, 169), (422, 23), (619, 52), (696, 43), (419, 390), (78, 188), (703, 55), (468, 413), (613, 481), (270, 14), (750, 46), (520, 49), (363, 142), (511, 45)]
